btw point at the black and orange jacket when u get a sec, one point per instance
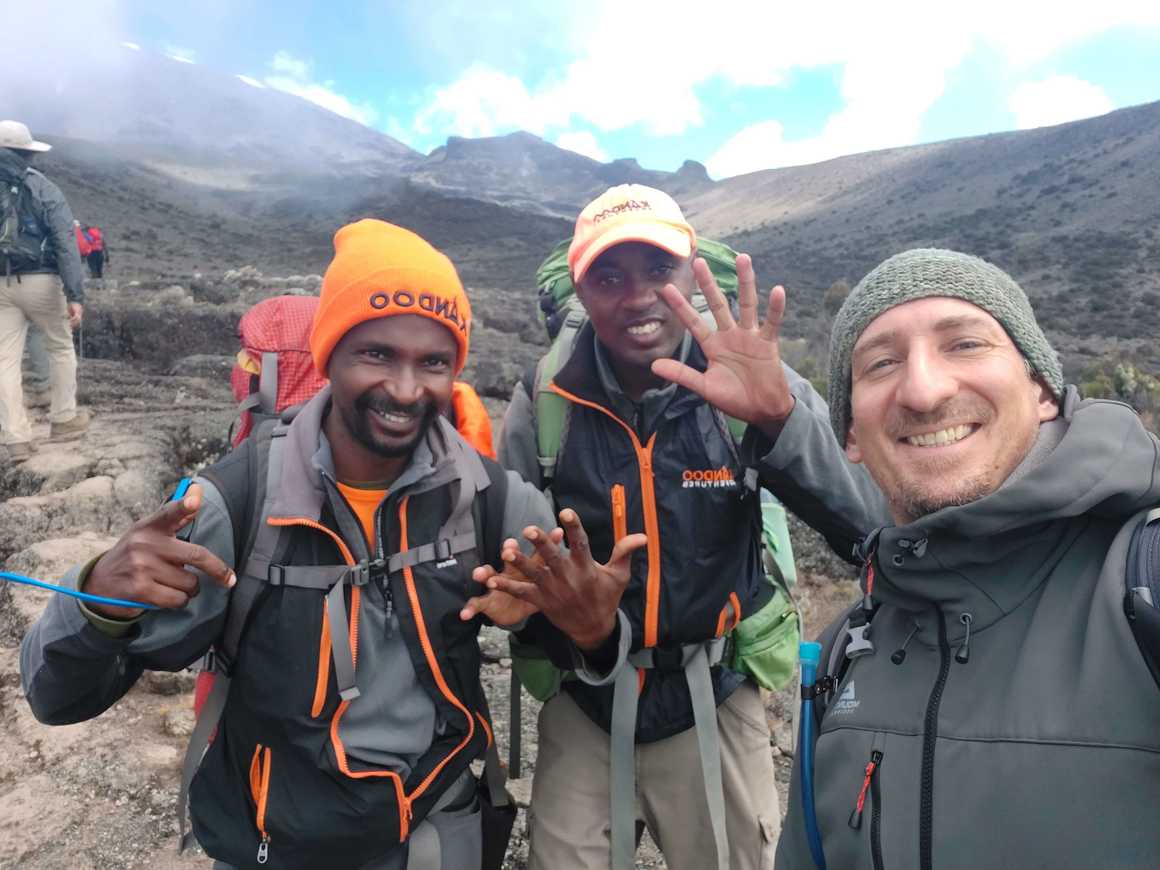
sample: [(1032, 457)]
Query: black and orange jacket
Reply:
[(287, 768), (683, 483)]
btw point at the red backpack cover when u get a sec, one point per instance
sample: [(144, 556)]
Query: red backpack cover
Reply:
[(281, 326), (95, 239)]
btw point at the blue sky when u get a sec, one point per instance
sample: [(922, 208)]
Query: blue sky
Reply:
[(738, 85)]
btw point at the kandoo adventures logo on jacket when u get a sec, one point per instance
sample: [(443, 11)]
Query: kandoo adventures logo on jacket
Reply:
[(712, 478)]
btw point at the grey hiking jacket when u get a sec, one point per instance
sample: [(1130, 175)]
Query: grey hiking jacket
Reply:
[(1038, 744), (56, 218), (72, 670)]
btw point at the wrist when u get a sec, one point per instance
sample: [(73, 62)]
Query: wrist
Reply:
[(772, 424), (90, 582), (589, 642)]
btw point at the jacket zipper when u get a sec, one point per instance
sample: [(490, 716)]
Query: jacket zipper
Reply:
[(652, 529), (619, 513), (432, 662), (876, 817), (929, 738), (380, 561), (870, 784), (260, 789)]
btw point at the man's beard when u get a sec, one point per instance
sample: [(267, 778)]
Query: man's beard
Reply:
[(914, 503), (357, 423)]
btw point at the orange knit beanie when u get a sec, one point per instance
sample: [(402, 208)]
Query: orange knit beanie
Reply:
[(380, 270)]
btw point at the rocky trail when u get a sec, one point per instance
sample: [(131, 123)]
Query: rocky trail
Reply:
[(101, 794)]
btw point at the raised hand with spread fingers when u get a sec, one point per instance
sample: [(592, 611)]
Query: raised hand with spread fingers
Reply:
[(744, 376), (577, 594)]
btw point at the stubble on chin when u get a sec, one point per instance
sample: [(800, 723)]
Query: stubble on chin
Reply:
[(913, 501)]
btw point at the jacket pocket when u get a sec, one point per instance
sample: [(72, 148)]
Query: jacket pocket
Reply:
[(619, 513), (260, 766), (871, 788)]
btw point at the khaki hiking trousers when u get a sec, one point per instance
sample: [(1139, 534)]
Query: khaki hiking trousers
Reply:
[(38, 298), (569, 816)]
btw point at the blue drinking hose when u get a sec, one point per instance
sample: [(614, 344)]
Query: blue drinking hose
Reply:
[(180, 492), (810, 655)]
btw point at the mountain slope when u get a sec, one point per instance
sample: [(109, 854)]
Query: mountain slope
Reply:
[(154, 107), (1071, 211), (523, 170)]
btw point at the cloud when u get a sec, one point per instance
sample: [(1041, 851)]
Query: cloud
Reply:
[(583, 142), (285, 63), (131, 45), (755, 147), (1057, 100), (294, 76), (483, 102), (646, 64), (181, 55)]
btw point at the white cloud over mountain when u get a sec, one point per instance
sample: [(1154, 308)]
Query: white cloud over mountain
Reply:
[(295, 76), (641, 65), (1057, 100)]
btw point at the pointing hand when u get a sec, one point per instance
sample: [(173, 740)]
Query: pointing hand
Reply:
[(148, 564)]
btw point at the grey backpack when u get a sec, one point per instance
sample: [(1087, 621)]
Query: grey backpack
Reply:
[(22, 236)]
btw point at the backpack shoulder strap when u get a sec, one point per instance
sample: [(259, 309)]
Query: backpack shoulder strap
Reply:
[(551, 409), (246, 518), (834, 660), (488, 514), (1142, 590)]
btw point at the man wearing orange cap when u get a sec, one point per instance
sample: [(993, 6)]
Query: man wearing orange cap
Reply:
[(678, 741), (330, 561)]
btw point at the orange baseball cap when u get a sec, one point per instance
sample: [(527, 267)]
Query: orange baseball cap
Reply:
[(629, 213)]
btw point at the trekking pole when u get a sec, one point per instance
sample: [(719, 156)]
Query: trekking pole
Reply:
[(515, 728), (810, 654)]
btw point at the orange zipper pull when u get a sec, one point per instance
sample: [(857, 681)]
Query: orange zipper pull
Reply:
[(264, 849), (855, 821)]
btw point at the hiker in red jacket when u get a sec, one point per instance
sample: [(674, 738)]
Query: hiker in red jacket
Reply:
[(98, 255)]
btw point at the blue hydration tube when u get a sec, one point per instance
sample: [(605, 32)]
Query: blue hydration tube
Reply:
[(810, 654), (83, 596), (182, 489)]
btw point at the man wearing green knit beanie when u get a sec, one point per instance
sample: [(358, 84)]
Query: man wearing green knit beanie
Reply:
[(990, 666)]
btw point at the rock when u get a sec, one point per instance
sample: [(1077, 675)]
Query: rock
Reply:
[(54, 468), (168, 683), (783, 737), (203, 365), (493, 377), (49, 560), (247, 276), (137, 492), (178, 721)]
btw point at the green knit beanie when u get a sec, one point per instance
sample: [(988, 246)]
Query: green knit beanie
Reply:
[(924, 272)]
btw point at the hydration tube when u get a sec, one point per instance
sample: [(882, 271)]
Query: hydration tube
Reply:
[(810, 655), (83, 596), (182, 489)]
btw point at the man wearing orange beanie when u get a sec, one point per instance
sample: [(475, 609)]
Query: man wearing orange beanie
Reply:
[(330, 561)]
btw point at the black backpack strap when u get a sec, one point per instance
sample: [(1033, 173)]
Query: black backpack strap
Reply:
[(489, 514), (1142, 590), (833, 663)]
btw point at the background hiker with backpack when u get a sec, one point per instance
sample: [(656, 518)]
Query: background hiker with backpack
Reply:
[(40, 282), (679, 741), (987, 703), (334, 564), (98, 251)]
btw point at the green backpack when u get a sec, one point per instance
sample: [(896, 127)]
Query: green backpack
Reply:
[(765, 644)]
